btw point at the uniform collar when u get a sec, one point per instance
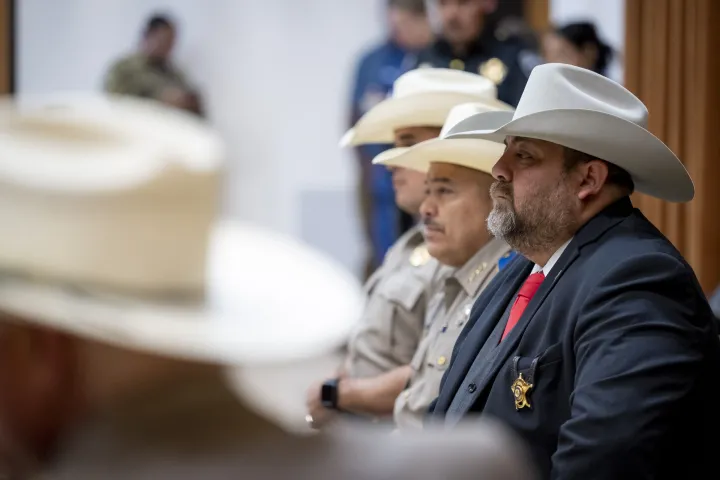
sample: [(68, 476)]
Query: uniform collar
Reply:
[(470, 276)]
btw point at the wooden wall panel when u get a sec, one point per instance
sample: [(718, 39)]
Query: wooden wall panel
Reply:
[(537, 14), (6, 45), (672, 65)]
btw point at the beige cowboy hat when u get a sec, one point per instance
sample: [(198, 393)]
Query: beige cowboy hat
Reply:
[(585, 111), (422, 97), (108, 208), (471, 153)]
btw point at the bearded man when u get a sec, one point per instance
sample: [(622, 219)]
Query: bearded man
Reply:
[(598, 346)]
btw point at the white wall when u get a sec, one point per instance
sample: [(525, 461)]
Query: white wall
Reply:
[(275, 75), (608, 16)]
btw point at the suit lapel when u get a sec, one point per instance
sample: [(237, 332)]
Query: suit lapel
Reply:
[(509, 344), (483, 321)]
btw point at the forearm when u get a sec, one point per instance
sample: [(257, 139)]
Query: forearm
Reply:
[(373, 396)]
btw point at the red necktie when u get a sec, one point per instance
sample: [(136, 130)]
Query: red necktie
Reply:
[(527, 291)]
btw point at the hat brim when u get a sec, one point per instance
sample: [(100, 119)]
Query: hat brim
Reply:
[(654, 168), (475, 154), (269, 300), (386, 157), (379, 124)]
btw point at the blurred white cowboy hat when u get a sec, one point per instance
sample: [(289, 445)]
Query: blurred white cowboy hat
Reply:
[(471, 153), (585, 111), (422, 98), (108, 218)]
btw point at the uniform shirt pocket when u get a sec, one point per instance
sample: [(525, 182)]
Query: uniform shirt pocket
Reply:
[(405, 326)]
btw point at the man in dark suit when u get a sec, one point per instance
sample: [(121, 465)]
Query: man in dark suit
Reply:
[(598, 345)]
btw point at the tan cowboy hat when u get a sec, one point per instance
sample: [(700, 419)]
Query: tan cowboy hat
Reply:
[(471, 153), (422, 97), (585, 111), (108, 212)]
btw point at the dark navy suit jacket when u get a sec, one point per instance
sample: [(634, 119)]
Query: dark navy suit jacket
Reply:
[(625, 382)]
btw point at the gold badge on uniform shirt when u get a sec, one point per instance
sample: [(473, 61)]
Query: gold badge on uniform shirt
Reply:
[(419, 256), (520, 389), (457, 64), (494, 70)]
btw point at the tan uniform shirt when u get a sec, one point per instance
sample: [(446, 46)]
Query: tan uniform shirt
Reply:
[(448, 310), (394, 315)]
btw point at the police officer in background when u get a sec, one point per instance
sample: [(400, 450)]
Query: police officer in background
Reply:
[(409, 33), (465, 44)]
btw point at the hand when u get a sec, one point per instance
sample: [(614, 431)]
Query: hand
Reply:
[(321, 416), (176, 97)]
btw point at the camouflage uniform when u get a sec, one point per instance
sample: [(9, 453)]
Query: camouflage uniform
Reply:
[(139, 76)]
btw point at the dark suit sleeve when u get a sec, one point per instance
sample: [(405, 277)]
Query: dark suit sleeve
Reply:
[(638, 352)]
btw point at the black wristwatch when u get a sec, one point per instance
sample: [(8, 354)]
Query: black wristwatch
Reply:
[(329, 394)]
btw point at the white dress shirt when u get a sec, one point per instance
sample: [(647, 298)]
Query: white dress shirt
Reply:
[(552, 261)]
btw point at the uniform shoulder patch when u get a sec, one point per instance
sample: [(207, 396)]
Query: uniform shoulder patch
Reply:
[(507, 258)]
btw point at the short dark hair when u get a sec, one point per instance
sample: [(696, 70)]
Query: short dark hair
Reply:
[(581, 34), (417, 7), (156, 22), (616, 175)]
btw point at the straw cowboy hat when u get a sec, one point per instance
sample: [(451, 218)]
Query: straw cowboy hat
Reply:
[(471, 153), (585, 111), (108, 214), (422, 97)]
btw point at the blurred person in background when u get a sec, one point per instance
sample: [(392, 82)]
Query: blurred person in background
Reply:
[(577, 44), (396, 317), (409, 32), (464, 44), (150, 73), (114, 348)]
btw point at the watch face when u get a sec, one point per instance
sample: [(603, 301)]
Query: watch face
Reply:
[(328, 394)]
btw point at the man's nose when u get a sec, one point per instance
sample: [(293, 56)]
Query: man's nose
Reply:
[(500, 170)]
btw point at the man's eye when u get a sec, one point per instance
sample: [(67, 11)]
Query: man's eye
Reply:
[(523, 155)]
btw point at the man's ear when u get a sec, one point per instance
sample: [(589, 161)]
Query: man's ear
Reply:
[(593, 175)]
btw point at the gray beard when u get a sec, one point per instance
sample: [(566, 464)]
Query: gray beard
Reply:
[(541, 232), (501, 223)]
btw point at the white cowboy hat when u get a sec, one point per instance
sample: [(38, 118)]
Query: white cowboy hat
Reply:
[(422, 98), (108, 213), (471, 153), (585, 111)]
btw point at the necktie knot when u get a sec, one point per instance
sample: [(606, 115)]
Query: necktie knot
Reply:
[(531, 285), (526, 293)]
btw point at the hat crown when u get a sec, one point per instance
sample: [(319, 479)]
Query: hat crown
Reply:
[(460, 113), (104, 190), (555, 86), (443, 80)]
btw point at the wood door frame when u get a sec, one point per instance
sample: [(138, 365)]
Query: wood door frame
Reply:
[(7, 46), (537, 14)]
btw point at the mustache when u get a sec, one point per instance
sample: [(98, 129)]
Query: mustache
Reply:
[(501, 188), (429, 222)]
